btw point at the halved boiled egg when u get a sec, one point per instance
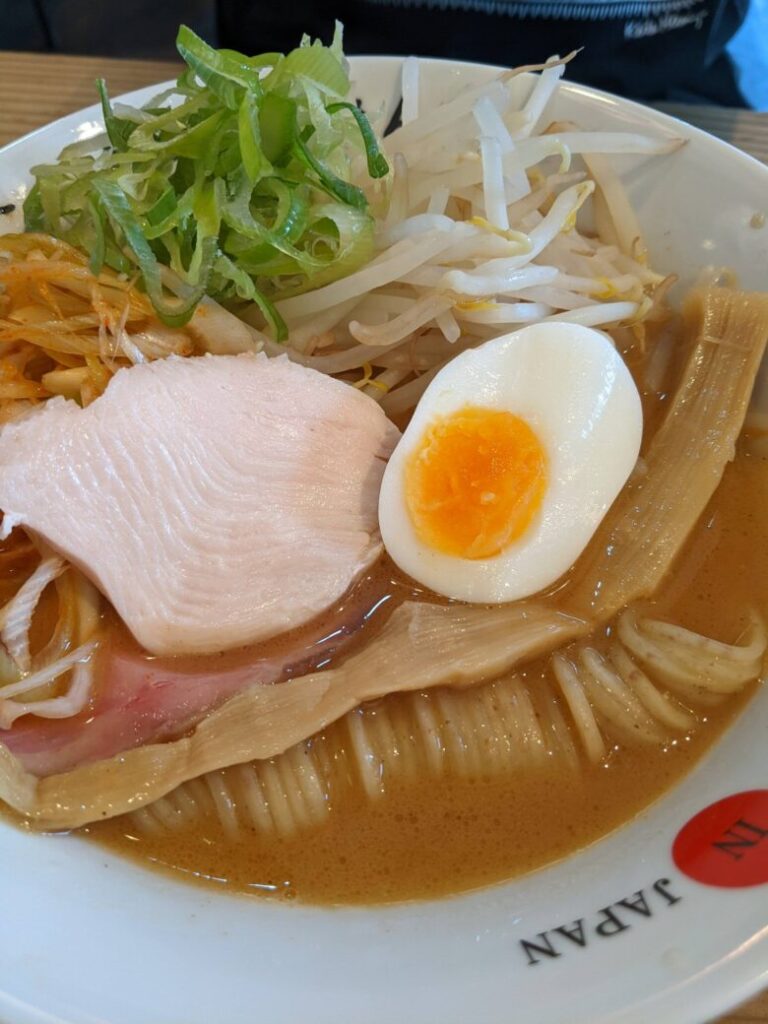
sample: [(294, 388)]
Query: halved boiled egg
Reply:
[(513, 456)]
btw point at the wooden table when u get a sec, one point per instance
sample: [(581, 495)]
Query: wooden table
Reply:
[(36, 89)]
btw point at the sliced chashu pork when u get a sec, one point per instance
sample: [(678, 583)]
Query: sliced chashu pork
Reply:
[(140, 700), (215, 501)]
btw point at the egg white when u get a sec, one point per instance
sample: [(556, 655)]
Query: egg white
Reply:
[(572, 387)]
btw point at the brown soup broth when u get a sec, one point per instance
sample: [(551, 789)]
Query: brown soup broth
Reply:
[(427, 838)]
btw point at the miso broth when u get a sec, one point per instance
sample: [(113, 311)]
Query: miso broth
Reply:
[(425, 837)]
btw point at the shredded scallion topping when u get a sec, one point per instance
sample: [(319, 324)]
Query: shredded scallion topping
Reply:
[(239, 179)]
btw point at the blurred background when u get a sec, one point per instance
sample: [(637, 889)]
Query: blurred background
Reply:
[(712, 51)]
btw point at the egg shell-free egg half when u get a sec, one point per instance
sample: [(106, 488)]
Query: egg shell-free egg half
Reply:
[(573, 389)]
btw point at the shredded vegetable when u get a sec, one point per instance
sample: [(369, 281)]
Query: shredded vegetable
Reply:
[(52, 677), (258, 188), (496, 218), (65, 331), (239, 179)]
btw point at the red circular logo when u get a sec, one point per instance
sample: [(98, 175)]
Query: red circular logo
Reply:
[(726, 844)]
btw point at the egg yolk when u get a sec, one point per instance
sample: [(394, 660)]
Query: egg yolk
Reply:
[(474, 482)]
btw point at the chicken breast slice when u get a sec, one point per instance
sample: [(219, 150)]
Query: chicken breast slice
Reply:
[(215, 501)]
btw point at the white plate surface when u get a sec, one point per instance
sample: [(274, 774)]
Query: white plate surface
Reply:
[(86, 937)]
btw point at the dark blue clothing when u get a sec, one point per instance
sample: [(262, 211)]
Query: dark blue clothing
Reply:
[(649, 49)]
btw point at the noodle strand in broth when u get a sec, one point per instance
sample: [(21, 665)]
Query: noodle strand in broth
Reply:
[(430, 645), (494, 729)]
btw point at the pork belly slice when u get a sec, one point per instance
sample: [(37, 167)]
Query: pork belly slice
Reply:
[(141, 699), (215, 501)]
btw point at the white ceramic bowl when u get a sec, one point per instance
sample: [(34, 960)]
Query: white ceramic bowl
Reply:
[(87, 937)]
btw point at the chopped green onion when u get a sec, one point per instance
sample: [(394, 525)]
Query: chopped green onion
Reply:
[(254, 160), (237, 213), (98, 249), (238, 178), (196, 142), (277, 124), (377, 162), (163, 208), (225, 73), (292, 214), (246, 289), (118, 129), (34, 215), (174, 312), (319, 65), (331, 183)]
